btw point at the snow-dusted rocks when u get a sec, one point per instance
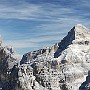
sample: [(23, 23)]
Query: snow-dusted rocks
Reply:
[(27, 81)]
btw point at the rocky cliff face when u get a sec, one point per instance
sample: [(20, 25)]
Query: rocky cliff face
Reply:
[(8, 68), (63, 66), (86, 84)]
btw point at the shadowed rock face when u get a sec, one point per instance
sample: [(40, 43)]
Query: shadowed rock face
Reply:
[(62, 66), (86, 84), (7, 79), (65, 42), (8, 69)]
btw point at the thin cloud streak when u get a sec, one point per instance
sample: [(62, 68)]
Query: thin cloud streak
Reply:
[(35, 12), (32, 43), (28, 11)]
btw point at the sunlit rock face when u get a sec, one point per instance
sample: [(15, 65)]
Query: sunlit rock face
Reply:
[(63, 66)]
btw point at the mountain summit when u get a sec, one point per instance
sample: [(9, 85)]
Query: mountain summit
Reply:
[(63, 66), (81, 32), (77, 34)]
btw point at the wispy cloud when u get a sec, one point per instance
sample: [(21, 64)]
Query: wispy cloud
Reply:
[(18, 12), (43, 11), (31, 43), (28, 11)]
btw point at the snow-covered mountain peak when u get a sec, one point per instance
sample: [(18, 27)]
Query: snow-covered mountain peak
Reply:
[(81, 32), (78, 35), (80, 27), (78, 32)]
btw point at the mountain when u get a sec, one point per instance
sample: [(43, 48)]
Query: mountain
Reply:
[(63, 66)]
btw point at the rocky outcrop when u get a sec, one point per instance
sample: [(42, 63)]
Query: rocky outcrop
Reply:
[(34, 54), (27, 81), (8, 68)]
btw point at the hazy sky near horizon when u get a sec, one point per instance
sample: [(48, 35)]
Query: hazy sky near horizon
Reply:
[(28, 25)]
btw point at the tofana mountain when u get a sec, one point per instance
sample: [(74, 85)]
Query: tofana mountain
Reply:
[(63, 66)]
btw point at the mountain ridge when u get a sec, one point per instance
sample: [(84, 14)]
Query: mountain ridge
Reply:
[(63, 66)]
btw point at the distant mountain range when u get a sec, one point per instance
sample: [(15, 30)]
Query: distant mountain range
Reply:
[(63, 66)]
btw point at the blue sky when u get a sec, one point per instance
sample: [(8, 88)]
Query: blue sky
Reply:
[(29, 25)]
